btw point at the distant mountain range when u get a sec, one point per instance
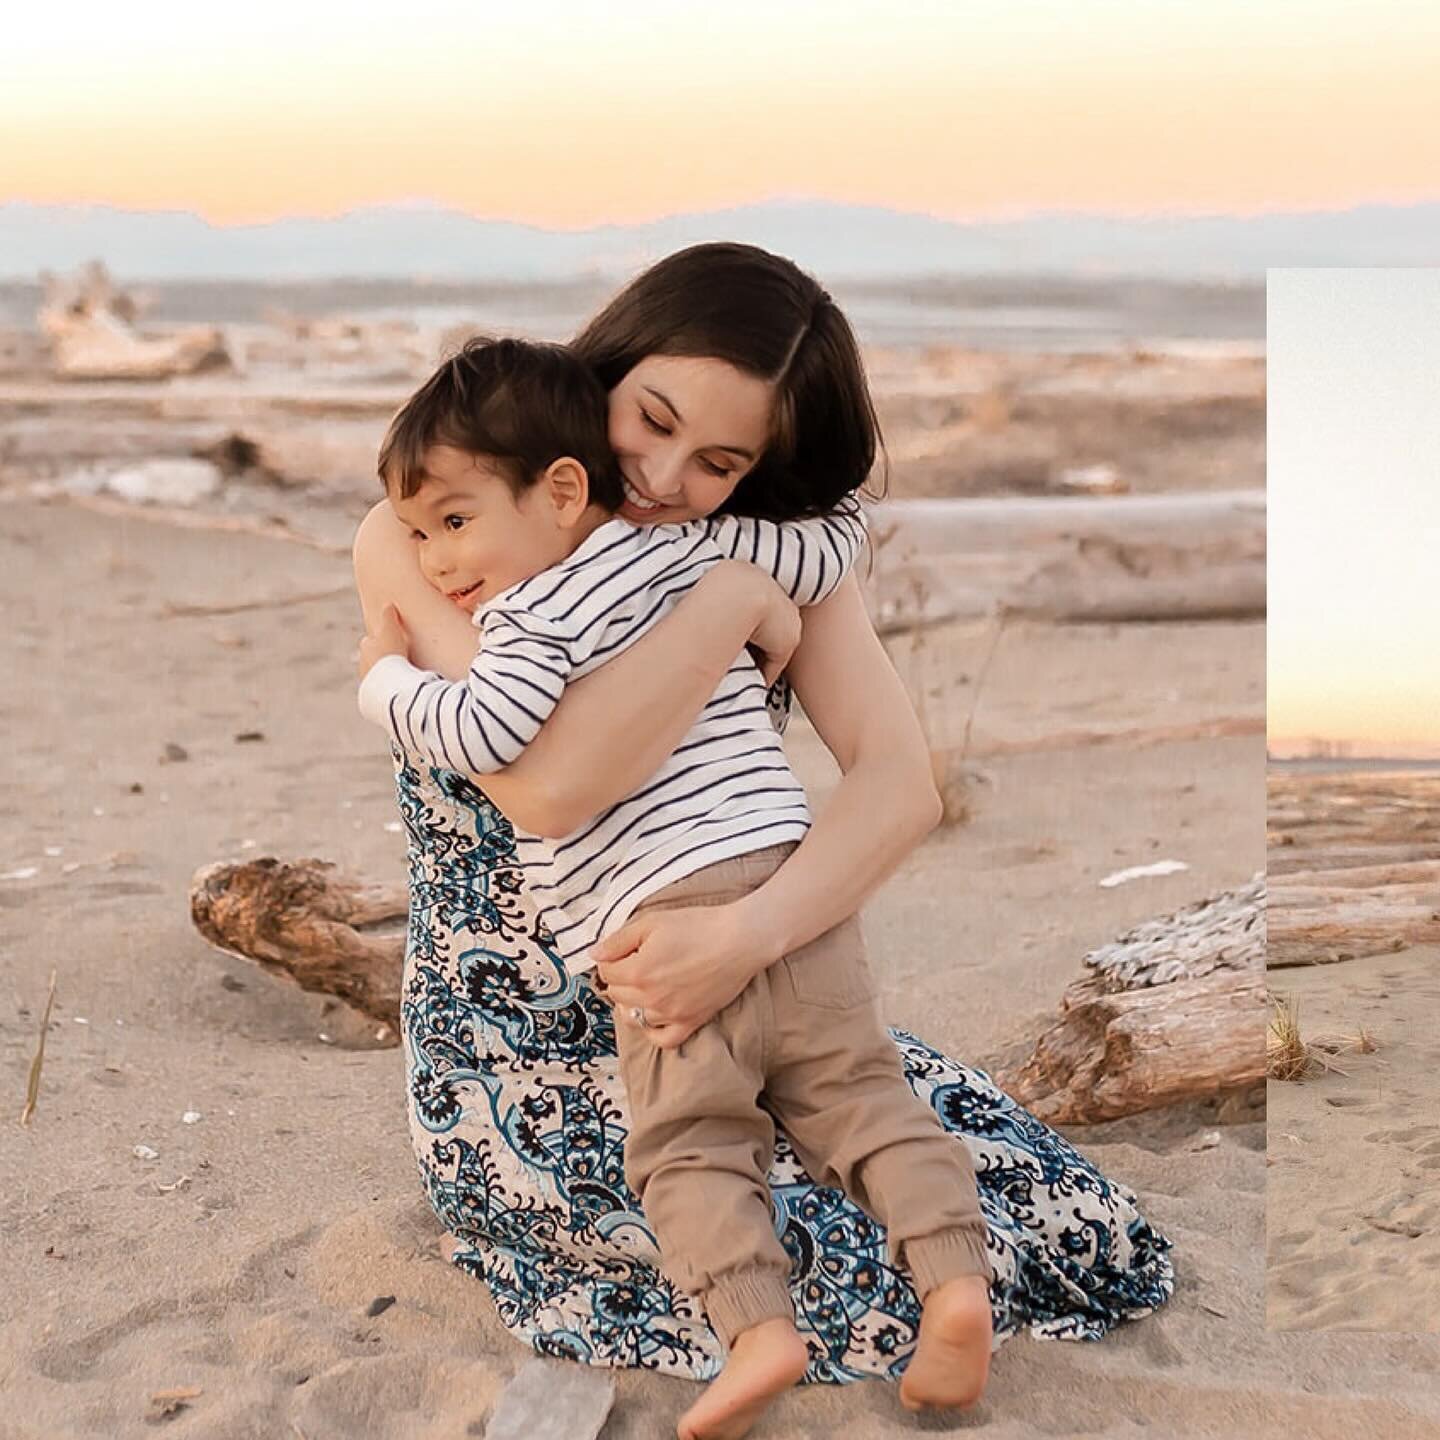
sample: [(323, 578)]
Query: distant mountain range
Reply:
[(842, 241), (1357, 762)]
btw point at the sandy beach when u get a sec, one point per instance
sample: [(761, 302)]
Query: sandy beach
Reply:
[(183, 693), (242, 1259), (1354, 1147), (1353, 1201)]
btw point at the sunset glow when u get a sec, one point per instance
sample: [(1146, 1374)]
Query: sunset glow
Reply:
[(1354, 512), (572, 114)]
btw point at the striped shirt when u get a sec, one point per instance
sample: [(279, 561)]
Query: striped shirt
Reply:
[(727, 788)]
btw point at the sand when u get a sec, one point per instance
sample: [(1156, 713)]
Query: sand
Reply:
[(243, 1258), (1353, 1197)]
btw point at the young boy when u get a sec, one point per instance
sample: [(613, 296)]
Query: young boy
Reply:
[(500, 464)]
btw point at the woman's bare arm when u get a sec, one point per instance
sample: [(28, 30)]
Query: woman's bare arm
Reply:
[(614, 727), (886, 802), (683, 966)]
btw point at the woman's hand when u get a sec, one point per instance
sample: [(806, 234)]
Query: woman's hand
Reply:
[(682, 966)]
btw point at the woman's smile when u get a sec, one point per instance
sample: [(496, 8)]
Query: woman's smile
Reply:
[(637, 499), (641, 509)]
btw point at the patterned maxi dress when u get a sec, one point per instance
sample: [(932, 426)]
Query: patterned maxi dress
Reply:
[(518, 1119)]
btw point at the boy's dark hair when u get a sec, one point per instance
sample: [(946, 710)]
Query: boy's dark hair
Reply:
[(519, 403), (764, 315)]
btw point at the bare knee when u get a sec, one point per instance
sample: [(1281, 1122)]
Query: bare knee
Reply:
[(383, 562)]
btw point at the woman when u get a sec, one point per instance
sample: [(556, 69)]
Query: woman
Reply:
[(735, 384)]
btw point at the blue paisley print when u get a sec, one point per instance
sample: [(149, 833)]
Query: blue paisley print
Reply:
[(518, 1118)]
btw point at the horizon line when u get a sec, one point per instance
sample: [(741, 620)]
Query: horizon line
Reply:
[(1003, 216)]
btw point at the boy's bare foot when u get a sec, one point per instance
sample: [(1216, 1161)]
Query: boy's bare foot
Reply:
[(765, 1360), (952, 1358), (449, 1244)]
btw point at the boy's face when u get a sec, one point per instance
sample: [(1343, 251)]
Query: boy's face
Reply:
[(476, 537)]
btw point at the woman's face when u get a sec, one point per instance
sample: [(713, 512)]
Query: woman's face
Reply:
[(686, 432)]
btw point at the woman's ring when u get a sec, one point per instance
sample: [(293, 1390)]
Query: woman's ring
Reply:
[(637, 1014)]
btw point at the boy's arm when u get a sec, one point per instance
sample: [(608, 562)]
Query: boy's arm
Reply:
[(807, 558), (480, 724)]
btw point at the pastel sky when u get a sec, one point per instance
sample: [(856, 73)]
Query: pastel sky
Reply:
[(1354, 511), (575, 112)]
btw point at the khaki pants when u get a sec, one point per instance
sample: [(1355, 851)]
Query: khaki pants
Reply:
[(803, 1045)]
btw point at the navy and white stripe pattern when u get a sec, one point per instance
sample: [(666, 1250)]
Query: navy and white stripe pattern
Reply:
[(806, 558), (725, 791)]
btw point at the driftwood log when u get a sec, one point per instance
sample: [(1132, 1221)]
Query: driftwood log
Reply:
[(1103, 558), (90, 327), (1354, 864), (298, 918), (1330, 917), (1334, 860), (1068, 558), (1093, 558), (1173, 1010)]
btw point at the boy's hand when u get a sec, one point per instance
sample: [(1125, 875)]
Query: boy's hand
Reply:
[(389, 639), (774, 639)]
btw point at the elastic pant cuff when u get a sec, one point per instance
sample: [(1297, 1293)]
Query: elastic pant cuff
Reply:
[(946, 1255), (743, 1298)]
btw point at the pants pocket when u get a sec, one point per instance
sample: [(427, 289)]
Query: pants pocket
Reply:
[(832, 972)]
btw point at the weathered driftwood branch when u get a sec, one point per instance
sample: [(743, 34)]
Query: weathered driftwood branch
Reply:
[(1366, 879), (299, 919), (90, 326), (1297, 859), (1425, 872), (1152, 557), (1376, 898), (1174, 1010), (1311, 925), (1346, 811)]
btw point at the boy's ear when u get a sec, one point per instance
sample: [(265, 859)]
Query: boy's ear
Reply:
[(568, 486)]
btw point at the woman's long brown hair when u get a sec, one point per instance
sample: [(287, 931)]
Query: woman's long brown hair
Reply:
[(764, 315)]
